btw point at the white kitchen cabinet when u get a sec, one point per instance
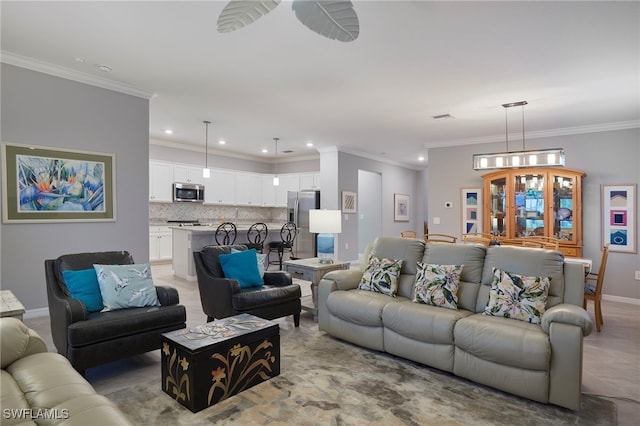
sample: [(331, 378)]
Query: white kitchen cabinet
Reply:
[(160, 243), (248, 189), (310, 181), (160, 182), (220, 188), (188, 174), (287, 183), (268, 191)]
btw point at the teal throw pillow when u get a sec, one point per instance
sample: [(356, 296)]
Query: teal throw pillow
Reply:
[(126, 286), (83, 285), (262, 260), (242, 266)]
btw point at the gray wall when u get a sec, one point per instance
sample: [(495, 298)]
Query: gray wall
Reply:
[(611, 157), (40, 109)]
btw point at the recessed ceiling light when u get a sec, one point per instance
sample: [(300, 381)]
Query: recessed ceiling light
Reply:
[(169, 131), (105, 68), (79, 59), (221, 142), (265, 150), (421, 158), (309, 144)]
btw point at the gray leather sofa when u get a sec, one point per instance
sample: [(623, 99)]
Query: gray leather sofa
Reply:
[(542, 362), (40, 387)]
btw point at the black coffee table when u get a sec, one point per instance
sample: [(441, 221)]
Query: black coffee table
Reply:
[(204, 365)]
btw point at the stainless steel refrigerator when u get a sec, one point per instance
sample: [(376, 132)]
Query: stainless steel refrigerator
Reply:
[(299, 204)]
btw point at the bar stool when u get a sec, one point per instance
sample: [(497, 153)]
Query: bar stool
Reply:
[(226, 234), (256, 236), (288, 234)]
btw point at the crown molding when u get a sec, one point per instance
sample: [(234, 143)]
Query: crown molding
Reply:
[(373, 157), (539, 134), (14, 59)]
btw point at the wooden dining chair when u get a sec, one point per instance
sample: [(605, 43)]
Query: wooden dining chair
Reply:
[(408, 234), (477, 238), (592, 291), (439, 238)]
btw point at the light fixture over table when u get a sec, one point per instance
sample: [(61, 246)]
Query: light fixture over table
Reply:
[(206, 172), (514, 159)]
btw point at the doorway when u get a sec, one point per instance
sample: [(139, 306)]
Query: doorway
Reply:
[(369, 208)]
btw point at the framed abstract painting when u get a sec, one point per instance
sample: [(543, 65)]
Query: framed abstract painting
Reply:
[(619, 220), (401, 208), (471, 214), (47, 184)]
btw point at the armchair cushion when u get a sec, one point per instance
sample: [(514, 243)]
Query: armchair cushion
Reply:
[(243, 267), (126, 286), (83, 285)]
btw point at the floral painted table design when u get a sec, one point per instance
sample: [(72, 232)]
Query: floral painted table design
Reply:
[(206, 364)]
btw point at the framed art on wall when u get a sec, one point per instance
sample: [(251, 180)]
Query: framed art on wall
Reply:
[(401, 207), (471, 204), (349, 202), (46, 184), (619, 223)]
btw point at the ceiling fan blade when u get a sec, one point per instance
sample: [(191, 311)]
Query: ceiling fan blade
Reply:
[(336, 20), (238, 13)]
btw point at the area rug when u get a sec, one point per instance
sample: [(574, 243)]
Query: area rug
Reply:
[(325, 381)]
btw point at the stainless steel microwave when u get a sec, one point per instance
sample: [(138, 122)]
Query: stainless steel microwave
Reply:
[(189, 192)]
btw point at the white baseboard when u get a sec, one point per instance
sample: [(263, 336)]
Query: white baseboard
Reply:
[(35, 313), (627, 300)]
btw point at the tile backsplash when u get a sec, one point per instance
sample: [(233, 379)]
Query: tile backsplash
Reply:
[(160, 213)]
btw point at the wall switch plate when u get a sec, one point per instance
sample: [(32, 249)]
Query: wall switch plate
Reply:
[(448, 204), (638, 275), (436, 221)]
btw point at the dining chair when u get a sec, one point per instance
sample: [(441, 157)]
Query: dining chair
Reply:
[(408, 234), (288, 234), (439, 238), (226, 234), (594, 291), (477, 238), (256, 236)]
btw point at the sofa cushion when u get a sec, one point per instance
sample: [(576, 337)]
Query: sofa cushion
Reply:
[(242, 265), (210, 257), (408, 249), (106, 326), (267, 295), (517, 296), (126, 286), (83, 285), (472, 257), (513, 343), (381, 275), (533, 262), (78, 261), (424, 323), (437, 285), (359, 306)]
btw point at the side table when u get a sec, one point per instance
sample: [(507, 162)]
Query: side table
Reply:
[(312, 270), (10, 305)]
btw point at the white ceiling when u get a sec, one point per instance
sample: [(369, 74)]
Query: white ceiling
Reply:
[(576, 63)]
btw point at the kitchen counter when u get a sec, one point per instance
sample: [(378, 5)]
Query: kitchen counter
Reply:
[(187, 239)]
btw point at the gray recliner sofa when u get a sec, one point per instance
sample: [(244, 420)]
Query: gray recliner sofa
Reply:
[(542, 362)]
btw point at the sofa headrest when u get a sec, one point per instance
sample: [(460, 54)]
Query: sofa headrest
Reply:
[(209, 256), (470, 255), (79, 261), (17, 341), (408, 249)]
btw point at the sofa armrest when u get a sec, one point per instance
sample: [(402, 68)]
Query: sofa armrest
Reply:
[(567, 314), (18, 341), (277, 278), (347, 279), (167, 295)]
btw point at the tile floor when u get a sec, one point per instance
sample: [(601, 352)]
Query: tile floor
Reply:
[(611, 358)]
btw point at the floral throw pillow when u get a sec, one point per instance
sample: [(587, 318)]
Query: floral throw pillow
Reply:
[(437, 285), (381, 276), (517, 296)]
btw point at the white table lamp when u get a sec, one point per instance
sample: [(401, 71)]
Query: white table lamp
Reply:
[(325, 223)]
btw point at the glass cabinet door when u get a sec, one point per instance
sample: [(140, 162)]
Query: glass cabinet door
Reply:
[(564, 224), (529, 212), (498, 206)]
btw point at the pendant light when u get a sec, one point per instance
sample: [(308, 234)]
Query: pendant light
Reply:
[(515, 159), (206, 172), (276, 180)]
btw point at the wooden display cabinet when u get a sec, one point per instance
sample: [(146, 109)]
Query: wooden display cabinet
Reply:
[(545, 202)]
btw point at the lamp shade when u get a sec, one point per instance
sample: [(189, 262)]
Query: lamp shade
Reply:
[(325, 221)]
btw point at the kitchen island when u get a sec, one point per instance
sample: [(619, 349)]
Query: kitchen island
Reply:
[(187, 239)]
